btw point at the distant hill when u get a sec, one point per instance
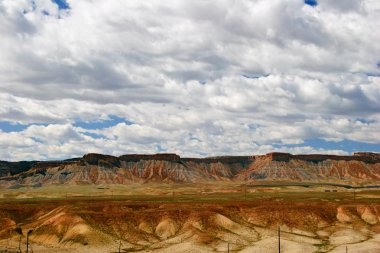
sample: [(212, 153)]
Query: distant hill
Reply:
[(360, 169)]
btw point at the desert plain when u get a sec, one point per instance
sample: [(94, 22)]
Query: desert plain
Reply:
[(213, 217)]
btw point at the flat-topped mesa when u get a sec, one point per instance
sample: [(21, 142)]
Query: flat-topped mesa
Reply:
[(277, 156), (366, 157), (319, 158), (374, 157), (97, 159), (360, 168), (221, 159), (12, 168), (51, 164), (162, 157)]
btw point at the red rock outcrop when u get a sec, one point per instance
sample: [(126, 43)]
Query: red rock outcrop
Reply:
[(361, 168)]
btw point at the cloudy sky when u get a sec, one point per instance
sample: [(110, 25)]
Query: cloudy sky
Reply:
[(196, 78)]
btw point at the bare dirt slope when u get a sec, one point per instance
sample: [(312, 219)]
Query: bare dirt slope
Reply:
[(194, 224)]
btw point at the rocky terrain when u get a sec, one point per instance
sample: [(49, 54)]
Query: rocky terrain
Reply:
[(243, 226), (359, 169), (165, 203)]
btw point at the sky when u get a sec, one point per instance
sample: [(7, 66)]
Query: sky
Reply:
[(197, 78)]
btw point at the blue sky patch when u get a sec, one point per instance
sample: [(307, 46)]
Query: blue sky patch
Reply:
[(93, 135), (8, 127), (311, 2), (62, 4), (372, 74), (37, 140), (114, 120), (365, 121), (160, 149)]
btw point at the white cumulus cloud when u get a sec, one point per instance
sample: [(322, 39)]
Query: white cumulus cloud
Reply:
[(192, 77)]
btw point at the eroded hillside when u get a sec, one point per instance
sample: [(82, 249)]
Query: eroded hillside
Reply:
[(362, 168), (104, 225)]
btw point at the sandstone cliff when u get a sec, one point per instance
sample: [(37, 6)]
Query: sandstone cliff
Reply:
[(361, 168)]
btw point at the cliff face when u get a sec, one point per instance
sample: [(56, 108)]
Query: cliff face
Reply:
[(361, 168), (12, 168), (366, 157), (309, 169)]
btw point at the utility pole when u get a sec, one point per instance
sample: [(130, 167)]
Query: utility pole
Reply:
[(19, 245), (19, 231), (279, 239), (346, 249), (119, 246), (27, 240), (228, 247)]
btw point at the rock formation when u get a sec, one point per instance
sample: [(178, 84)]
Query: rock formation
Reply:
[(361, 168)]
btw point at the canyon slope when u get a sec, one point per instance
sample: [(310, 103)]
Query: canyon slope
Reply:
[(359, 169)]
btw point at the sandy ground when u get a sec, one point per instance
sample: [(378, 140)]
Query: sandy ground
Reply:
[(189, 223), (188, 242), (267, 245)]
